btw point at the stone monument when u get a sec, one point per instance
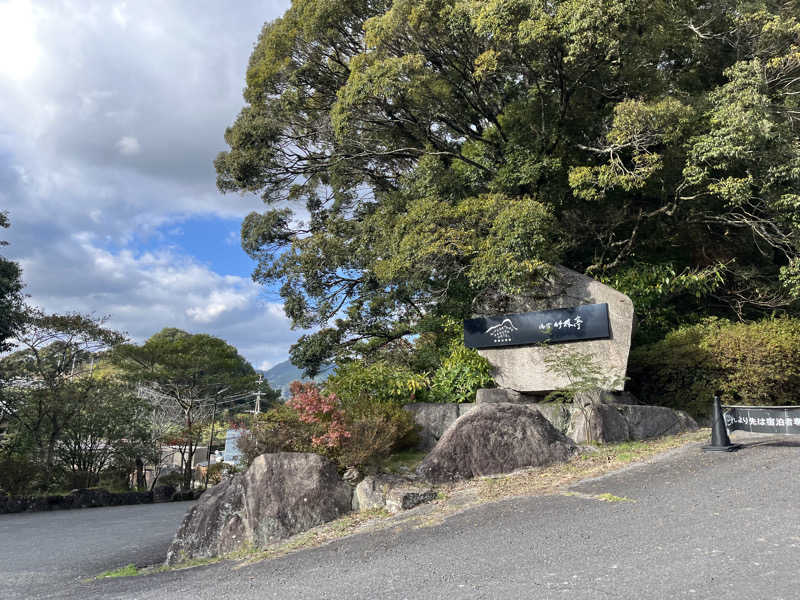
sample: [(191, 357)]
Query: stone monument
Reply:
[(519, 364)]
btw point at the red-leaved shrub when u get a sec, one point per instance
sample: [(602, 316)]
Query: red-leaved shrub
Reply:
[(322, 410)]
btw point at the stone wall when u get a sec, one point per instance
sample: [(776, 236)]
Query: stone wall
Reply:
[(82, 498), (594, 417)]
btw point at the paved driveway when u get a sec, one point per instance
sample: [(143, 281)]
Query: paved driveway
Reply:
[(45, 553), (695, 525)]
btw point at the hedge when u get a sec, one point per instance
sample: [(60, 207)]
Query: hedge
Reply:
[(751, 363)]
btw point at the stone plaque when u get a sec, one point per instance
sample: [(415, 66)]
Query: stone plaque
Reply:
[(587, 322), (522, 368)]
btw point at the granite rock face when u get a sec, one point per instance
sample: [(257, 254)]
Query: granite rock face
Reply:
[(278, 496), (495, 438), (495, 395), (607, 423), (522, 368), (392, 492), (432, 420)]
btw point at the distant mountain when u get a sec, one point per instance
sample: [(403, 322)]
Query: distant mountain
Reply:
[(284, 373)]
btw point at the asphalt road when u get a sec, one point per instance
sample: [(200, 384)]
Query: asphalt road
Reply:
[(721, 526), (43, 554)]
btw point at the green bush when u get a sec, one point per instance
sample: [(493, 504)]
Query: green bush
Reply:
[(751, 363), (461, 374), (19, 475), (357, 384), (377, 433), (276, 430), (372, 398)]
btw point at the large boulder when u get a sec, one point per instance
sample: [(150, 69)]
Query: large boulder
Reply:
[(278, 496), (495, 438), (432, 421), (522, 368)]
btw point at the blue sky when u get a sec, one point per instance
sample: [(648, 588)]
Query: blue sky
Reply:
[(111, 114)]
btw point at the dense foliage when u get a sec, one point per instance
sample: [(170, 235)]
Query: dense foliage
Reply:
[(354, 429), (755, 363), (460, 375), (417, 153), (12, 312), (182, 375), (61, 416)]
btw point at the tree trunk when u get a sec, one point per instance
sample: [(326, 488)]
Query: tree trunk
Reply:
[(140, 481)]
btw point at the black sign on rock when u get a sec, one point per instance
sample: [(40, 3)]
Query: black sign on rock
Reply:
[(587, 322), (762, 419)]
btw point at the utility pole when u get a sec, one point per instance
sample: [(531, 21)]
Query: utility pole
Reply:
[(211, 437), (258, 395)]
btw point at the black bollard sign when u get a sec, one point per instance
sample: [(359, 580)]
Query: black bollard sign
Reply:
[(586, 322), (762, 419)]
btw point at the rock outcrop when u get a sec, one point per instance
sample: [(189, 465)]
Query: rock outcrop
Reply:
[(432, 421), (522, 368), (278, 496), (392, 492), (495, 438), (607, 423)]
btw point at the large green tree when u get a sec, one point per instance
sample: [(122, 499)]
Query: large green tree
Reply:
[(417, 154), (49, 383), (111, 427), (12, 313), (184, 375)]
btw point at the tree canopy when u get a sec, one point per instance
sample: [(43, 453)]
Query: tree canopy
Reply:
[(49, 386), (183, 375), (11, 300), (415, 154)]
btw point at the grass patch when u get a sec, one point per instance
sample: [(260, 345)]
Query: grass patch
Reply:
[(612, 498), (606, 497), (126, 571), (402, 462)]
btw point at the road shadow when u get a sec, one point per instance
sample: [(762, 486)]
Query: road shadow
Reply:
[(771, 443)]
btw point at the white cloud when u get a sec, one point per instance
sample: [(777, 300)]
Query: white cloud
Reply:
[(128, 146), (147, 292), (217, 303), (110, 117), (20, 51), (119, 14)]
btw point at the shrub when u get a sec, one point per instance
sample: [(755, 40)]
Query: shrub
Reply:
[(362, 426), (173, 477), (276, 430), (19, 475), (321, 411), (219, 470), (460, 375), (372, 398), (358, 384), (751, 363), (376, 433)]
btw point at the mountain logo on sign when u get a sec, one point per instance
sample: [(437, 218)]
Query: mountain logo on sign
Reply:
[(502, 332)]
